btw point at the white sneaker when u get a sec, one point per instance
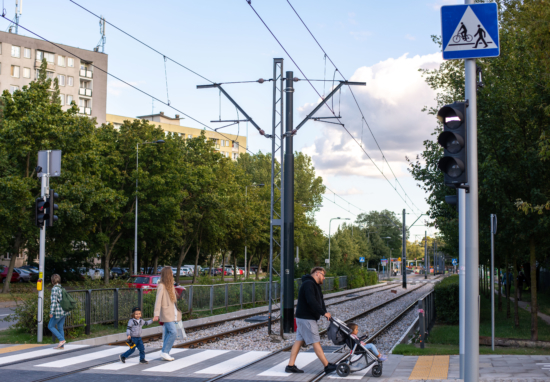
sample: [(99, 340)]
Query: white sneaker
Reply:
[(166, 357)]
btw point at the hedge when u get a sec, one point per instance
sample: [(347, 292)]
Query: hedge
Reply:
[(446, 300)]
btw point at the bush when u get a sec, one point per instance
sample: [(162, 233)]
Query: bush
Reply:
[(446, 300)]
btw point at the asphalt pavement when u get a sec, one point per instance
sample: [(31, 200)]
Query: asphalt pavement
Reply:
[(4, 312)]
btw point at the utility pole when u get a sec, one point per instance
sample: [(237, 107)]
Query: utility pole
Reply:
[(404, 255), (287, 263), (18, 13)]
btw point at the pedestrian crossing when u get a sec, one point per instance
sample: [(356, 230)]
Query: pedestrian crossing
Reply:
[(37, 353), (196, 364)]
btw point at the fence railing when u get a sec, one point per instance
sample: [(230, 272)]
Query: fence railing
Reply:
[(426, 316), (101, 306)]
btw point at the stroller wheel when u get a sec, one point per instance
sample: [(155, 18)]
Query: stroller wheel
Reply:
[(343, 370), (377, 371)]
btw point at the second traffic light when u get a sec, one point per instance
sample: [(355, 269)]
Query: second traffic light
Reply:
[(454, 143), (49, 209)]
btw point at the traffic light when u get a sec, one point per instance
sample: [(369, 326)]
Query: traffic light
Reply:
[(453, 140), (39, 212), (50, 207)]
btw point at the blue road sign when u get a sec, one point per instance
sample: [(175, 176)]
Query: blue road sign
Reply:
[(361, 259), (470, 31), (454, 261)]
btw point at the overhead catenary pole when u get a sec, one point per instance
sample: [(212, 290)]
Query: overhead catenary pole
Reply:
[(404, 254), (493, 231), (425, 254), (471, 350), (461, 274), (287, 262)]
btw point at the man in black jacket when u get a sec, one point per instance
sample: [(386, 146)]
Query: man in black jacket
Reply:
[(310, 308)]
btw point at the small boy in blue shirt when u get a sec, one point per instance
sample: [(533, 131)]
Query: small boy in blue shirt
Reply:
[(133, 331)]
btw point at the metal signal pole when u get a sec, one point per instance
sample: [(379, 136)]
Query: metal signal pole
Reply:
[(471, 350), (461, 274), (404, 255)]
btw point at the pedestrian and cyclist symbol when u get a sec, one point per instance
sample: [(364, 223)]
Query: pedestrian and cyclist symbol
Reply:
[(470, 31)]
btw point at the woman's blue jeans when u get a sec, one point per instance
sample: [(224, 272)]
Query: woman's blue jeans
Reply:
[(169, 334), (59, 322)]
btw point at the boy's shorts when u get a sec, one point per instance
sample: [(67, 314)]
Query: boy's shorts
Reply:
[(307, 331)]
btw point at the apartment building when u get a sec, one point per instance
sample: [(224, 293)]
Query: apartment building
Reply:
[(79, 82), (229, 145)]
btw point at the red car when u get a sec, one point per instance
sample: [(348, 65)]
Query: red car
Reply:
[(4, 274), (218, 272), (150, 282)]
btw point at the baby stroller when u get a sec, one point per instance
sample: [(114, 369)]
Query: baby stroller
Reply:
[(359, 358)]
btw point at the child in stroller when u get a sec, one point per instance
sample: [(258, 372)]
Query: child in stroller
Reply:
[(361, 355)]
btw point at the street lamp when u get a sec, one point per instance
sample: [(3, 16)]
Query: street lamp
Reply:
[(329, 237), (246, 236), (160, 141)]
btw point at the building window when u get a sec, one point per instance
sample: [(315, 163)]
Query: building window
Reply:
[(49, 75), (50, 57), (0, 48), (70, 62), (190, 136), (70, 81), (60, 60), (69, 99), (235, 156), (62, 99), (27, 53), (26, 72), (13, 88), (61, 80), (15, 71), (226, 143), (16, 51)]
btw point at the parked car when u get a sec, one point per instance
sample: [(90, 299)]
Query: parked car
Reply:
[(33, 272), (229, 271), (4, 274), (24, 275), (117, 272), (149, 282), (29, 267), (218, 272), (241, 271), (372, 270)]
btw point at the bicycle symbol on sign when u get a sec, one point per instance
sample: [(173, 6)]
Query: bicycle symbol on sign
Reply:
[(462, 34)]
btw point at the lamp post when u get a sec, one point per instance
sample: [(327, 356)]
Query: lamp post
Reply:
[(246, 236), (136, 225), (329, 236)]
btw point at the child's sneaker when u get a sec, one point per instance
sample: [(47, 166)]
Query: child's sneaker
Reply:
[(122, 359), (383, 358), (143, 361)]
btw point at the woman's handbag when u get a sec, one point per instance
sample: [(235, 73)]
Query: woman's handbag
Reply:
[(180, 330)]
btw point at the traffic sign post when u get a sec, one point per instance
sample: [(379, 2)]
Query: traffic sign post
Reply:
[(361, 260), (468, 32)]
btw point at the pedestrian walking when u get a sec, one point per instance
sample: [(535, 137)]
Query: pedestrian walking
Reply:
[(310, 308), (481, 33), (166, 311), (57, 314), (133, 331)]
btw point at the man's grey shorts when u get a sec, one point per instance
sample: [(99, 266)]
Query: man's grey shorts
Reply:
[(307, 331)]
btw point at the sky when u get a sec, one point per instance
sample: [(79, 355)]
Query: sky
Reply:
[(382, 43)]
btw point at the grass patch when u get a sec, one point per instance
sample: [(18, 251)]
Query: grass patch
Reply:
[(14, 336), (8, 297), (440, 349)]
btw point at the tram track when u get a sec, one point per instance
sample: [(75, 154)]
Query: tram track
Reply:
[(285, 349)]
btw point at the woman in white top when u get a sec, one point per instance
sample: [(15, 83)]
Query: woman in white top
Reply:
[(166, 311)]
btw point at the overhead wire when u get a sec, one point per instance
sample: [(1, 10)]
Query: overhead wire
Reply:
[(331, 110), (355, 99), (123, 81)]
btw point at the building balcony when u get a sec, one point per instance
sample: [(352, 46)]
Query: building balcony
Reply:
[(85, 92), (85, 110), (85, 73)]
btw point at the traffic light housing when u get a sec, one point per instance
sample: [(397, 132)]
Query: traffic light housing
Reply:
[(39, 212), (50, 207), (454, 164)]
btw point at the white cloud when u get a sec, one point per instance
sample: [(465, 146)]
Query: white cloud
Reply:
[(392, 103), (409, 37)]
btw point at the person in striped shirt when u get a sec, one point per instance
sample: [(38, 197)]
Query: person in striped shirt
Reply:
[(57, 314)]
